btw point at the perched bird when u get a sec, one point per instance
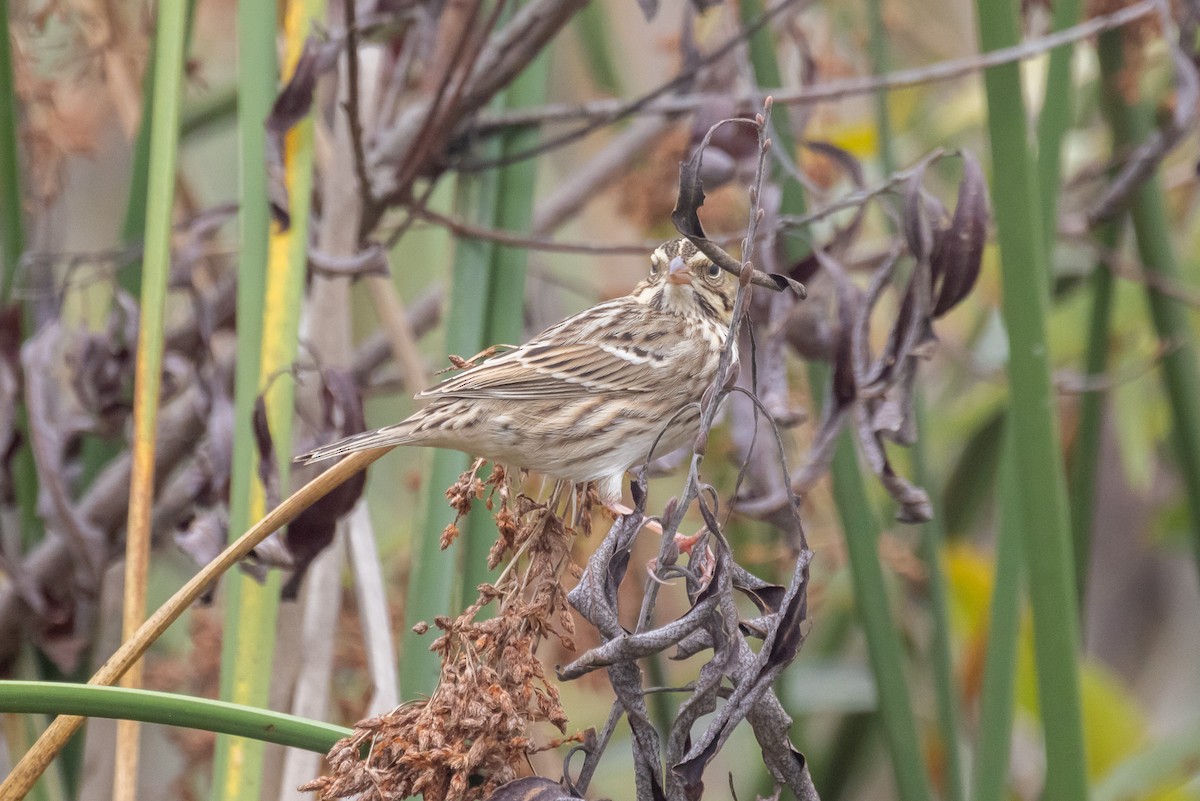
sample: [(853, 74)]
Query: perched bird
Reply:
[(586, 399)]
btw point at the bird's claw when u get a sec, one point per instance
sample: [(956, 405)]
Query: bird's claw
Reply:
[(685, 544)]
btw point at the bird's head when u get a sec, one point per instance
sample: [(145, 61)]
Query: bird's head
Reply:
[(684, 281)]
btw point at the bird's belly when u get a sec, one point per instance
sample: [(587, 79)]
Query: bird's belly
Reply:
[(586, 439)]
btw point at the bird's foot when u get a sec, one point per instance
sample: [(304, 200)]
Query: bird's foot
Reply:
[(619, 509), (706, 561)]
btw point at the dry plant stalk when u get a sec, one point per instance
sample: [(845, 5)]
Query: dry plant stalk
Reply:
[(477, 730)]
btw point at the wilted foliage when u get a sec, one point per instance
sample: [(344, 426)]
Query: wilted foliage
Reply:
[(477, 730)]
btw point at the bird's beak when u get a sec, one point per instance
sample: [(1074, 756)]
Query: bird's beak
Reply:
[(677, 272)]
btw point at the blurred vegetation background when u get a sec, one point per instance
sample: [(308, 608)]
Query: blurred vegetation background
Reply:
[(167, 170)]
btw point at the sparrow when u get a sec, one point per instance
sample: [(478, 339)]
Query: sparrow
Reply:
[(592, 396)]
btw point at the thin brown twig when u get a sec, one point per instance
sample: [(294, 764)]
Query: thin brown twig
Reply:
[(466, 72), (785, 221), (1145, 158), (604, 110), (1075, 383), (353, 114), (1162, 284), (414, 210), (436, 111), (507, 51), (468, 230), (623, 109)]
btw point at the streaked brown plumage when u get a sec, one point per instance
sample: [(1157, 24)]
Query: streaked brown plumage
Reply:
[(585, 399)]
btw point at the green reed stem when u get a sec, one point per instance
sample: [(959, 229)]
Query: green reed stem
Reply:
[(1040, 482), (1131, 124)]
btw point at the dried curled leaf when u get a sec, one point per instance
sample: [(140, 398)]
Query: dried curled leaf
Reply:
[(876, 391), (292, 105), (10, 389), (313, 530), (958, 251), (531, 788), (686, 217)]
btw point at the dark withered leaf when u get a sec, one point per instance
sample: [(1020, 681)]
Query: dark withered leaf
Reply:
[(628, 648), (918, 228), (637, 489), (756, 675), (896, 351), (766, 596), (869, 372), (790, 635), (268, 466), (842, 157), (708, 515), (53, 441), (292, 105), (217, 448), (10, 389), (314, 529), (531, 788), (296, 98), (649, 8), (892, 415), (614, 573), (913, 502), (686, 215), (959, 250), (804, 270), (714, 529), (595, 597), (65, 635), (101, 368), (692, 770), (25, 585), (771, 363), (699, 640), (277, 195), (344, 400), (849, 301)]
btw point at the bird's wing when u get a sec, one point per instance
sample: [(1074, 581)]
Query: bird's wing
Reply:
[(550, 368)]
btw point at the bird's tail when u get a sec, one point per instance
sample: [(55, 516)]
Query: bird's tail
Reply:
[(386, 437)]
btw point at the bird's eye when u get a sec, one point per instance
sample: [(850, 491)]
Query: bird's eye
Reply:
[(714, 270)]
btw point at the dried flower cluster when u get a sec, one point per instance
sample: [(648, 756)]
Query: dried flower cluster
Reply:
[(477, 730)]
